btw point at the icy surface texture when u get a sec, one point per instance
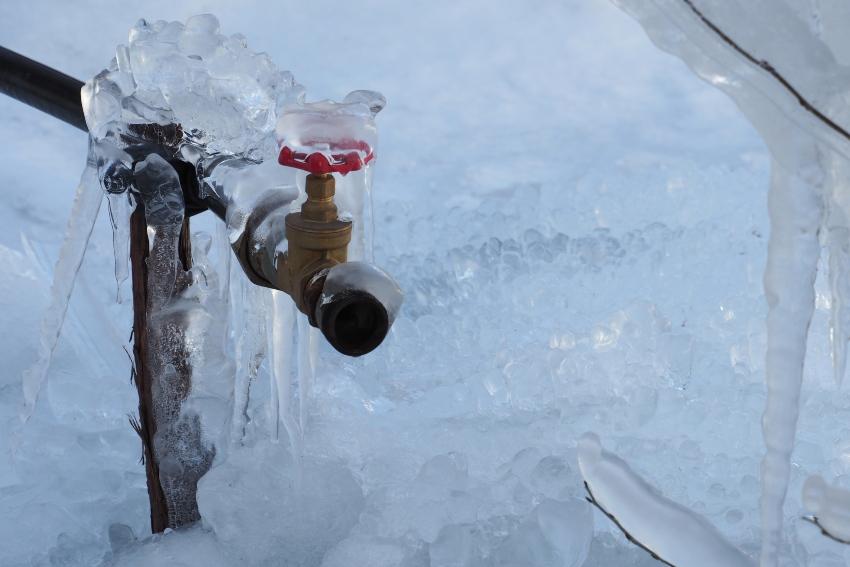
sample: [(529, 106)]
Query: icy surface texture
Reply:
[(303, 509), (453, 518), (581, 237), (784, 69), (671, 531), (185, 548)]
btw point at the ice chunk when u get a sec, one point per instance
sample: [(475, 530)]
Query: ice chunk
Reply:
[(671, 531), (224, 96), (301, 519), (120, 536), (457, 545), (160, 191), (281, 324), (375, 552), (556, 534), (308, 359)]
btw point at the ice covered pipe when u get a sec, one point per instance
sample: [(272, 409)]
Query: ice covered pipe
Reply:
[(304, 253)]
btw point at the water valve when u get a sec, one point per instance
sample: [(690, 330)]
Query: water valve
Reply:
[(353, 303)]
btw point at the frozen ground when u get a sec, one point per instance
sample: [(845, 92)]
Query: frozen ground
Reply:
[(580, 228)]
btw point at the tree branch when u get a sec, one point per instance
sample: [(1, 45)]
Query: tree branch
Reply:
[(771, 70), (592, 499)]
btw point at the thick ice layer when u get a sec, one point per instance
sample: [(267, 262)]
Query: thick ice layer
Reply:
[(671, 531), (779, 62)]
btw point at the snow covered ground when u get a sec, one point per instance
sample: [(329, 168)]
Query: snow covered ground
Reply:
[(580, 228)]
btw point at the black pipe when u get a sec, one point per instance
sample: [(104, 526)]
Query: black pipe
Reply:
[(41, 87), (58, 94)]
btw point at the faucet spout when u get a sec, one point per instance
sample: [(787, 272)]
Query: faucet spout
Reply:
[(305, 254)]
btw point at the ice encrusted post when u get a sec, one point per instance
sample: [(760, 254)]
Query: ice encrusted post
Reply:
[(161, 257), (142, 377)]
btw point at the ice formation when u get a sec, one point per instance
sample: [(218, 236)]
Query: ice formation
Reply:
[(184, 95), (672, 532), (783, 64), (455, 377)]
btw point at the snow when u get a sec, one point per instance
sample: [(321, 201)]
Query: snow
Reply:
[(579, 227)]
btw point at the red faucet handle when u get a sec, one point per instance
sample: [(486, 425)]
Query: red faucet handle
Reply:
[(343, 156)]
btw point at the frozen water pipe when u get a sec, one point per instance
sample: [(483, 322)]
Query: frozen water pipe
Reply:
[(353, 304)]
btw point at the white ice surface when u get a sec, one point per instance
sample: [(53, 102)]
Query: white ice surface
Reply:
[(579, 226)]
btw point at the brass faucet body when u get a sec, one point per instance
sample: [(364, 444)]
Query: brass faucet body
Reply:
[(317, 240)]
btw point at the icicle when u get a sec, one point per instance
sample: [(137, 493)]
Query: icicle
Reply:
[(839, 257), (121, 206), (369, 217), (670, 531), (80, 224), (796, 209), (282, 331), (308, 343), (838, 242), (249, 325), (351, 200), (224, 254)]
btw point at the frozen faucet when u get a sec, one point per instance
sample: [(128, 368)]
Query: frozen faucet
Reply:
[(352, 303), (305, 253)]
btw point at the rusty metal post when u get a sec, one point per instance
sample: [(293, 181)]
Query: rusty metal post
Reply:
[(146, 426)]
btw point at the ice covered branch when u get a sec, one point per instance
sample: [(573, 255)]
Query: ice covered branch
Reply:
[(770, 69), (667, 530)]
